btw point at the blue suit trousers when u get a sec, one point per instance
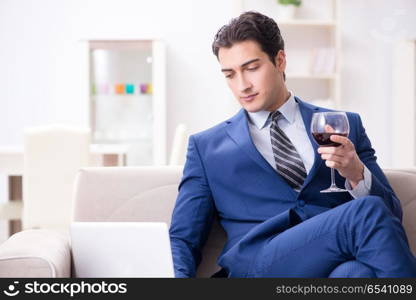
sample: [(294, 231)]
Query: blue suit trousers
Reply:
[(360, 238)]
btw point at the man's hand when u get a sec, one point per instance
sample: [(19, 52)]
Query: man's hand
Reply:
[(344, 159)]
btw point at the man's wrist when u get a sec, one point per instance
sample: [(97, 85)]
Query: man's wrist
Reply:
[(360, 176)]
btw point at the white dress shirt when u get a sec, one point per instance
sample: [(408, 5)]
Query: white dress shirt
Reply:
[(293, 126)]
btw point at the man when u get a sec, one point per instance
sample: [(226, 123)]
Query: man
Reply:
[(242, 170)]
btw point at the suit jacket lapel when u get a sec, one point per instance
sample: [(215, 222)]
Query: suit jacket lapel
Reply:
[(238, 130), (307, 110)]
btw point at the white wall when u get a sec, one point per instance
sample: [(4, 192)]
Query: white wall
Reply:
[(370, 30), (39, 67)]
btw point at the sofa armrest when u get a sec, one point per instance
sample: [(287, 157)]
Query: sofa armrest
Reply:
[(36, 253)]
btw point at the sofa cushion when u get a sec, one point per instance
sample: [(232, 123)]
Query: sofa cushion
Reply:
[(36, 253), (403, 183)]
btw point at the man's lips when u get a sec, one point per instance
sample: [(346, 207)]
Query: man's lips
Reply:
[(249, 97)]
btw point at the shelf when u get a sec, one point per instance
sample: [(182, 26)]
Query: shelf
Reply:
[(134, 119), (113, 141), (109, 148), (299, 22), (310, 76), (122, 96)]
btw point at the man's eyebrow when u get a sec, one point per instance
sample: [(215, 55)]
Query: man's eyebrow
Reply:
[(243, 65)]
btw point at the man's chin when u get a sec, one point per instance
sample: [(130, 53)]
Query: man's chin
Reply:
[(252, 108)]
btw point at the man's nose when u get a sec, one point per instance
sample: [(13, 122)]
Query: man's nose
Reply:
[(244, 85)]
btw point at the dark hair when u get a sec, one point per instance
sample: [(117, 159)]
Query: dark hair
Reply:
[(253, 26)]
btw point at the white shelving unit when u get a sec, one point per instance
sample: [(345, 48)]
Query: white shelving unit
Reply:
[(403, 120), (120, 112), (312, 46)]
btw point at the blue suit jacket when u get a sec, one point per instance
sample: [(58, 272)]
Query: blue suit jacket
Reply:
[(225, 175)]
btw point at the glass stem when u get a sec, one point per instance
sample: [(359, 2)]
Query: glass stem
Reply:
[(333, 178)]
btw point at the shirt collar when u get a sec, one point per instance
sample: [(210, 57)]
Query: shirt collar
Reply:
[(288, 110)]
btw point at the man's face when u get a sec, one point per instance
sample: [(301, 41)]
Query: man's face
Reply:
[(254, 80)]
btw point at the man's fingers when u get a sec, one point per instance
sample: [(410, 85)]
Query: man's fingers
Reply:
[(331, 150), (333, 157), (332, 164), (337, 160)]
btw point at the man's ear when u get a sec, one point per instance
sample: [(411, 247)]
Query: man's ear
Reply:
[(280, 60)]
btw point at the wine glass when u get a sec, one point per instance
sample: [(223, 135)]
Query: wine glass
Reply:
[(323, 126)]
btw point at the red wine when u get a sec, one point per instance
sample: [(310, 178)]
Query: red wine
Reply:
[(323, 139)]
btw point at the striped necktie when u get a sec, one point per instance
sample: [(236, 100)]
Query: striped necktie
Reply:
[(288, 162)]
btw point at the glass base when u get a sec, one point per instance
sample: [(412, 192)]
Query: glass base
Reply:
[(333, 189)]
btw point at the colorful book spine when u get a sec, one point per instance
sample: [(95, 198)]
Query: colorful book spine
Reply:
[(121, 89)]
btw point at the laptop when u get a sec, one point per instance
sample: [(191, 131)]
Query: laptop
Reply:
[(121, 249)]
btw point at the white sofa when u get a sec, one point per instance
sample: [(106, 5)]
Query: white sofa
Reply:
[(140, 194)]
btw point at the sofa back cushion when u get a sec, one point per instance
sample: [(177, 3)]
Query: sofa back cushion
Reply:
[(122, 194)]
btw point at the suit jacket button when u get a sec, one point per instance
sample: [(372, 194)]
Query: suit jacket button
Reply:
[(301, 203)]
